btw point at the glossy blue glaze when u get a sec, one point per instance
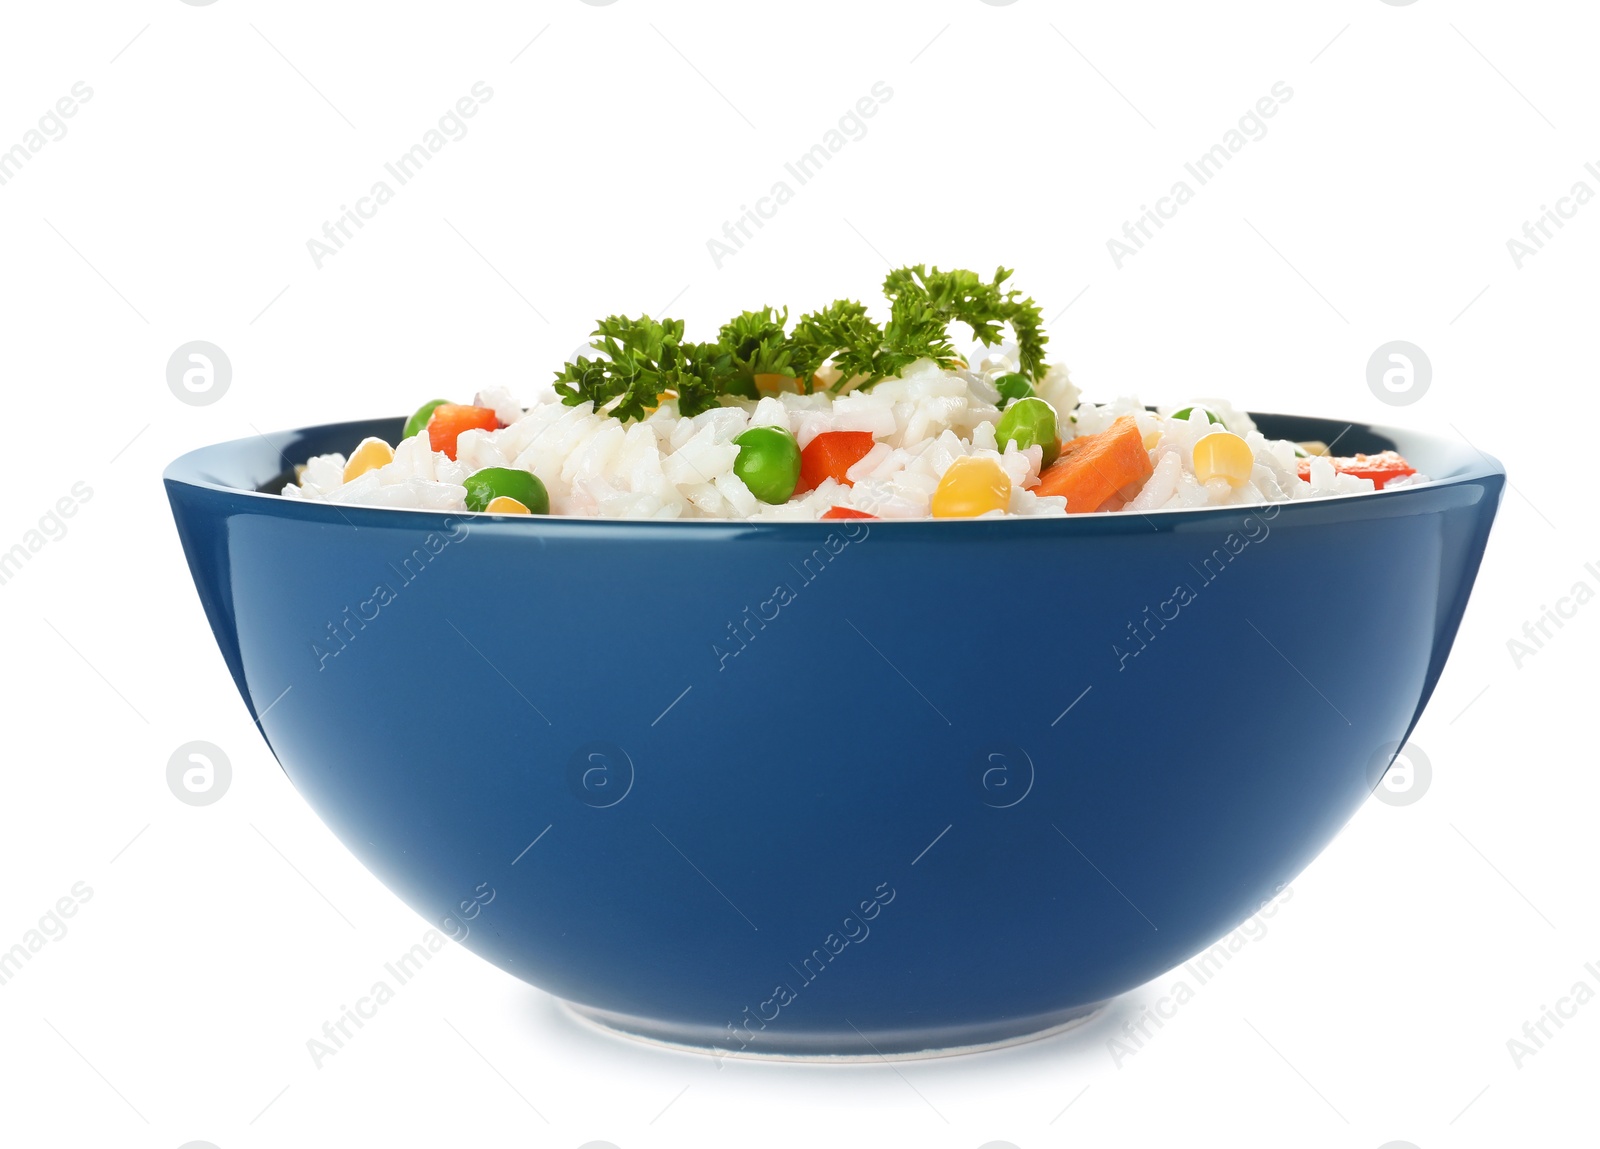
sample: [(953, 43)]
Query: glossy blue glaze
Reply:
[(707, 813)]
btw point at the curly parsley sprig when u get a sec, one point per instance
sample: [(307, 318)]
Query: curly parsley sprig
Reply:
[(924, 302), (644, 361), (758, 344), (842, 333)]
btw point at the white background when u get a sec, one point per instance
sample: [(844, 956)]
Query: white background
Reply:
[(218, 140)]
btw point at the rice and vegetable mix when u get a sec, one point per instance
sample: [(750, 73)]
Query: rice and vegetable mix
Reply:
[(833, 417)]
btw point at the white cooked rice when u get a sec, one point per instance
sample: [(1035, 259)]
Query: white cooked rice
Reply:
[(669, 467)]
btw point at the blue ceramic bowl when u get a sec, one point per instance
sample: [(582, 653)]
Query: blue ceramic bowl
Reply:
[(839, 788)]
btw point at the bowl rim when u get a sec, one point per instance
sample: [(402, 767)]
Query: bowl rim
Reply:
[(196, 469)]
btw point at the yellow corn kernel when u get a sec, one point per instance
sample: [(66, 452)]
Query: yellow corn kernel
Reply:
[(1222, 454), (369, 456), (505, 505), (1313, 447), (972, 486), (669, 393), (773, 384), (1151, 439)]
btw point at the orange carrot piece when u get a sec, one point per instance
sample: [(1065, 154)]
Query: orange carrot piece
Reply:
[(829, 456), (450, 419), (1381, 468), (1093, 469)]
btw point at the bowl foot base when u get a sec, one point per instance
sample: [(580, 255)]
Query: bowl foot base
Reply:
[(837, 1047)]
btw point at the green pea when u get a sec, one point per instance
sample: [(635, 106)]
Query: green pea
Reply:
[(1029, 422), (513, 482), (1187, 411), (1013, 386), (419, 419), (768, 463)]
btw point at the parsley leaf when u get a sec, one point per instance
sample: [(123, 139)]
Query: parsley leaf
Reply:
[(642, 360), (925, 299), (638, 354), (841, 331), (759, 346)]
